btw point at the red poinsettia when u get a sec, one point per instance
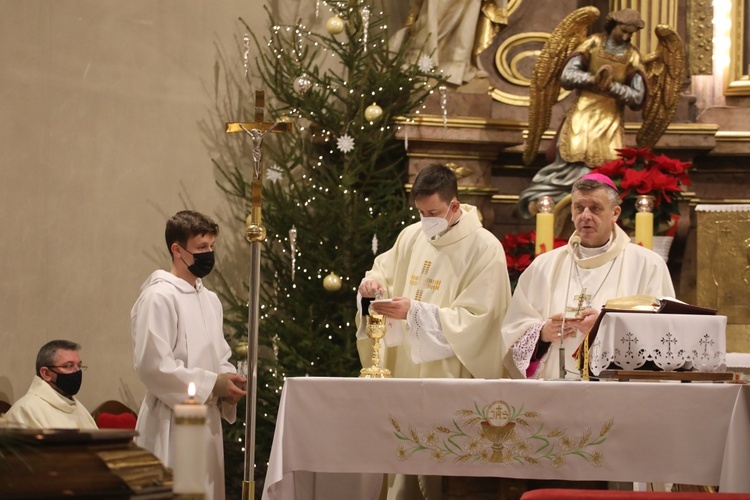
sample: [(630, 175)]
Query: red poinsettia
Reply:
[(519, 252), (640, 171)]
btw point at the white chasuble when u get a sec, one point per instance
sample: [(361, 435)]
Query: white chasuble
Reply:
[(463, 276), (42, 407), (560, 281)]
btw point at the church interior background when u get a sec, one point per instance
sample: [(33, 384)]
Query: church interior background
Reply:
[(106, 105)]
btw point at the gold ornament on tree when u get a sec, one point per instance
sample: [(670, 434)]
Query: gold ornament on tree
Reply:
[(332, 282), (335, 25), (373, 112)]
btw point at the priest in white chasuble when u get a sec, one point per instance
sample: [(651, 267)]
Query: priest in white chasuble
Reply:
[(598, 264), (448, 281)]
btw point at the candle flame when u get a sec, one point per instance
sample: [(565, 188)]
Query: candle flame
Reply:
[(191, 389)]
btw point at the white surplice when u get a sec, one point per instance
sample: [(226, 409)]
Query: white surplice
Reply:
[(553, 283), (178, 338), (461, 276)]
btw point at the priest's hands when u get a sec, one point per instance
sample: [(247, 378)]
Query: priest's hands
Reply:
[(370, 288), (396, 308), (552, 330), (586, 320)]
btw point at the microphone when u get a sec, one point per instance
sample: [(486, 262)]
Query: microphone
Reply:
[(575, 241)]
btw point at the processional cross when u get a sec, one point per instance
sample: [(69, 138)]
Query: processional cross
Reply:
[(255, 234)]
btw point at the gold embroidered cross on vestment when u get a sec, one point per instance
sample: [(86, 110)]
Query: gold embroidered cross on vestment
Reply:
[(423, 282)]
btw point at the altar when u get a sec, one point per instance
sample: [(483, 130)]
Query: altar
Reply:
[(337, 434)]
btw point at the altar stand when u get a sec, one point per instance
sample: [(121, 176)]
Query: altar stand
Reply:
[(669, 342), (338, 434)]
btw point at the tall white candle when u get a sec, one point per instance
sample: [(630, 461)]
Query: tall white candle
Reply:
[(545, 225), (190, 440)]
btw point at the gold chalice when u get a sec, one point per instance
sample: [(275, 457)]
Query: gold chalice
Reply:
[(497, 435), (376, 331)]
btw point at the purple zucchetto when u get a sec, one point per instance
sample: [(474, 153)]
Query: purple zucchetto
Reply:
[(601, 178)]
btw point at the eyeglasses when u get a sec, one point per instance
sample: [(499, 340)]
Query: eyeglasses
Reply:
[(70, 367)]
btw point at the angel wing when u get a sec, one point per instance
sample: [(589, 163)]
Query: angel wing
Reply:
[(665, 70), (545, 82)]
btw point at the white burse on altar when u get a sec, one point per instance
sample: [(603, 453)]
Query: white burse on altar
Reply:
[(667, 334)]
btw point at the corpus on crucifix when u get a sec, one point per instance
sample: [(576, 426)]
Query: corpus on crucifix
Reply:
[(255, 234)]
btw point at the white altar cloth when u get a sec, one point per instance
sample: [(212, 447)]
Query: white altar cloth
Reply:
[(695, 433), (671, 341)]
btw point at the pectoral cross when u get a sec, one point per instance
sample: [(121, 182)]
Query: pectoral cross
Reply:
[(581, 297), (257, 130), (255, 234), (423, 281)]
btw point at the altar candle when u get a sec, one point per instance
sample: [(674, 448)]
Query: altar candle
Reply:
[(644, 229), (545, 225), (190, 440)]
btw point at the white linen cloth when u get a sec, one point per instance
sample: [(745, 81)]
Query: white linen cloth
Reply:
[(671, 341), (693, 433)]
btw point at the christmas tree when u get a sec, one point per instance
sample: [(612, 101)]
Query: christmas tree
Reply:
[(333, 195)]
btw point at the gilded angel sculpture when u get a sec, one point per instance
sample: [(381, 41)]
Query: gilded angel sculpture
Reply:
[(608, 73)]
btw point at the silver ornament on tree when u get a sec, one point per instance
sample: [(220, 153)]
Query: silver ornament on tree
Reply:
[(293, 249), (246, 53), (335, 25), (332, 282), (374, 244), (365, 26), (302, 84), (373, 112)]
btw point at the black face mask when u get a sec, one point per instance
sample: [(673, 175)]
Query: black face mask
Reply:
[(69, 383), (203, 263)]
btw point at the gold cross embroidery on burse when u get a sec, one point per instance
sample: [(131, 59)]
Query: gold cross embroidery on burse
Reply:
[(422, 281)]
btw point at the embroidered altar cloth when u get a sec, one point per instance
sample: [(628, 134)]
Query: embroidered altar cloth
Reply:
[(671, 341)]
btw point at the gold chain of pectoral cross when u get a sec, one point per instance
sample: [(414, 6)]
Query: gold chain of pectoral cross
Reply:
[(423, 281), (583, 296)]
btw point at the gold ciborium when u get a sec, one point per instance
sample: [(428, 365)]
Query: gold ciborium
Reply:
[(497, 435), (376, 331)]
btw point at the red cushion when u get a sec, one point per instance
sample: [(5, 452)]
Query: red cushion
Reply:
[(573, 494), (112, 421)]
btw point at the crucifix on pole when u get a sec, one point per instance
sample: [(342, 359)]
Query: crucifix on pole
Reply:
[(255, 234)]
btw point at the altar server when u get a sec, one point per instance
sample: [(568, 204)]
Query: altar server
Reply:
[(178, 338)]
